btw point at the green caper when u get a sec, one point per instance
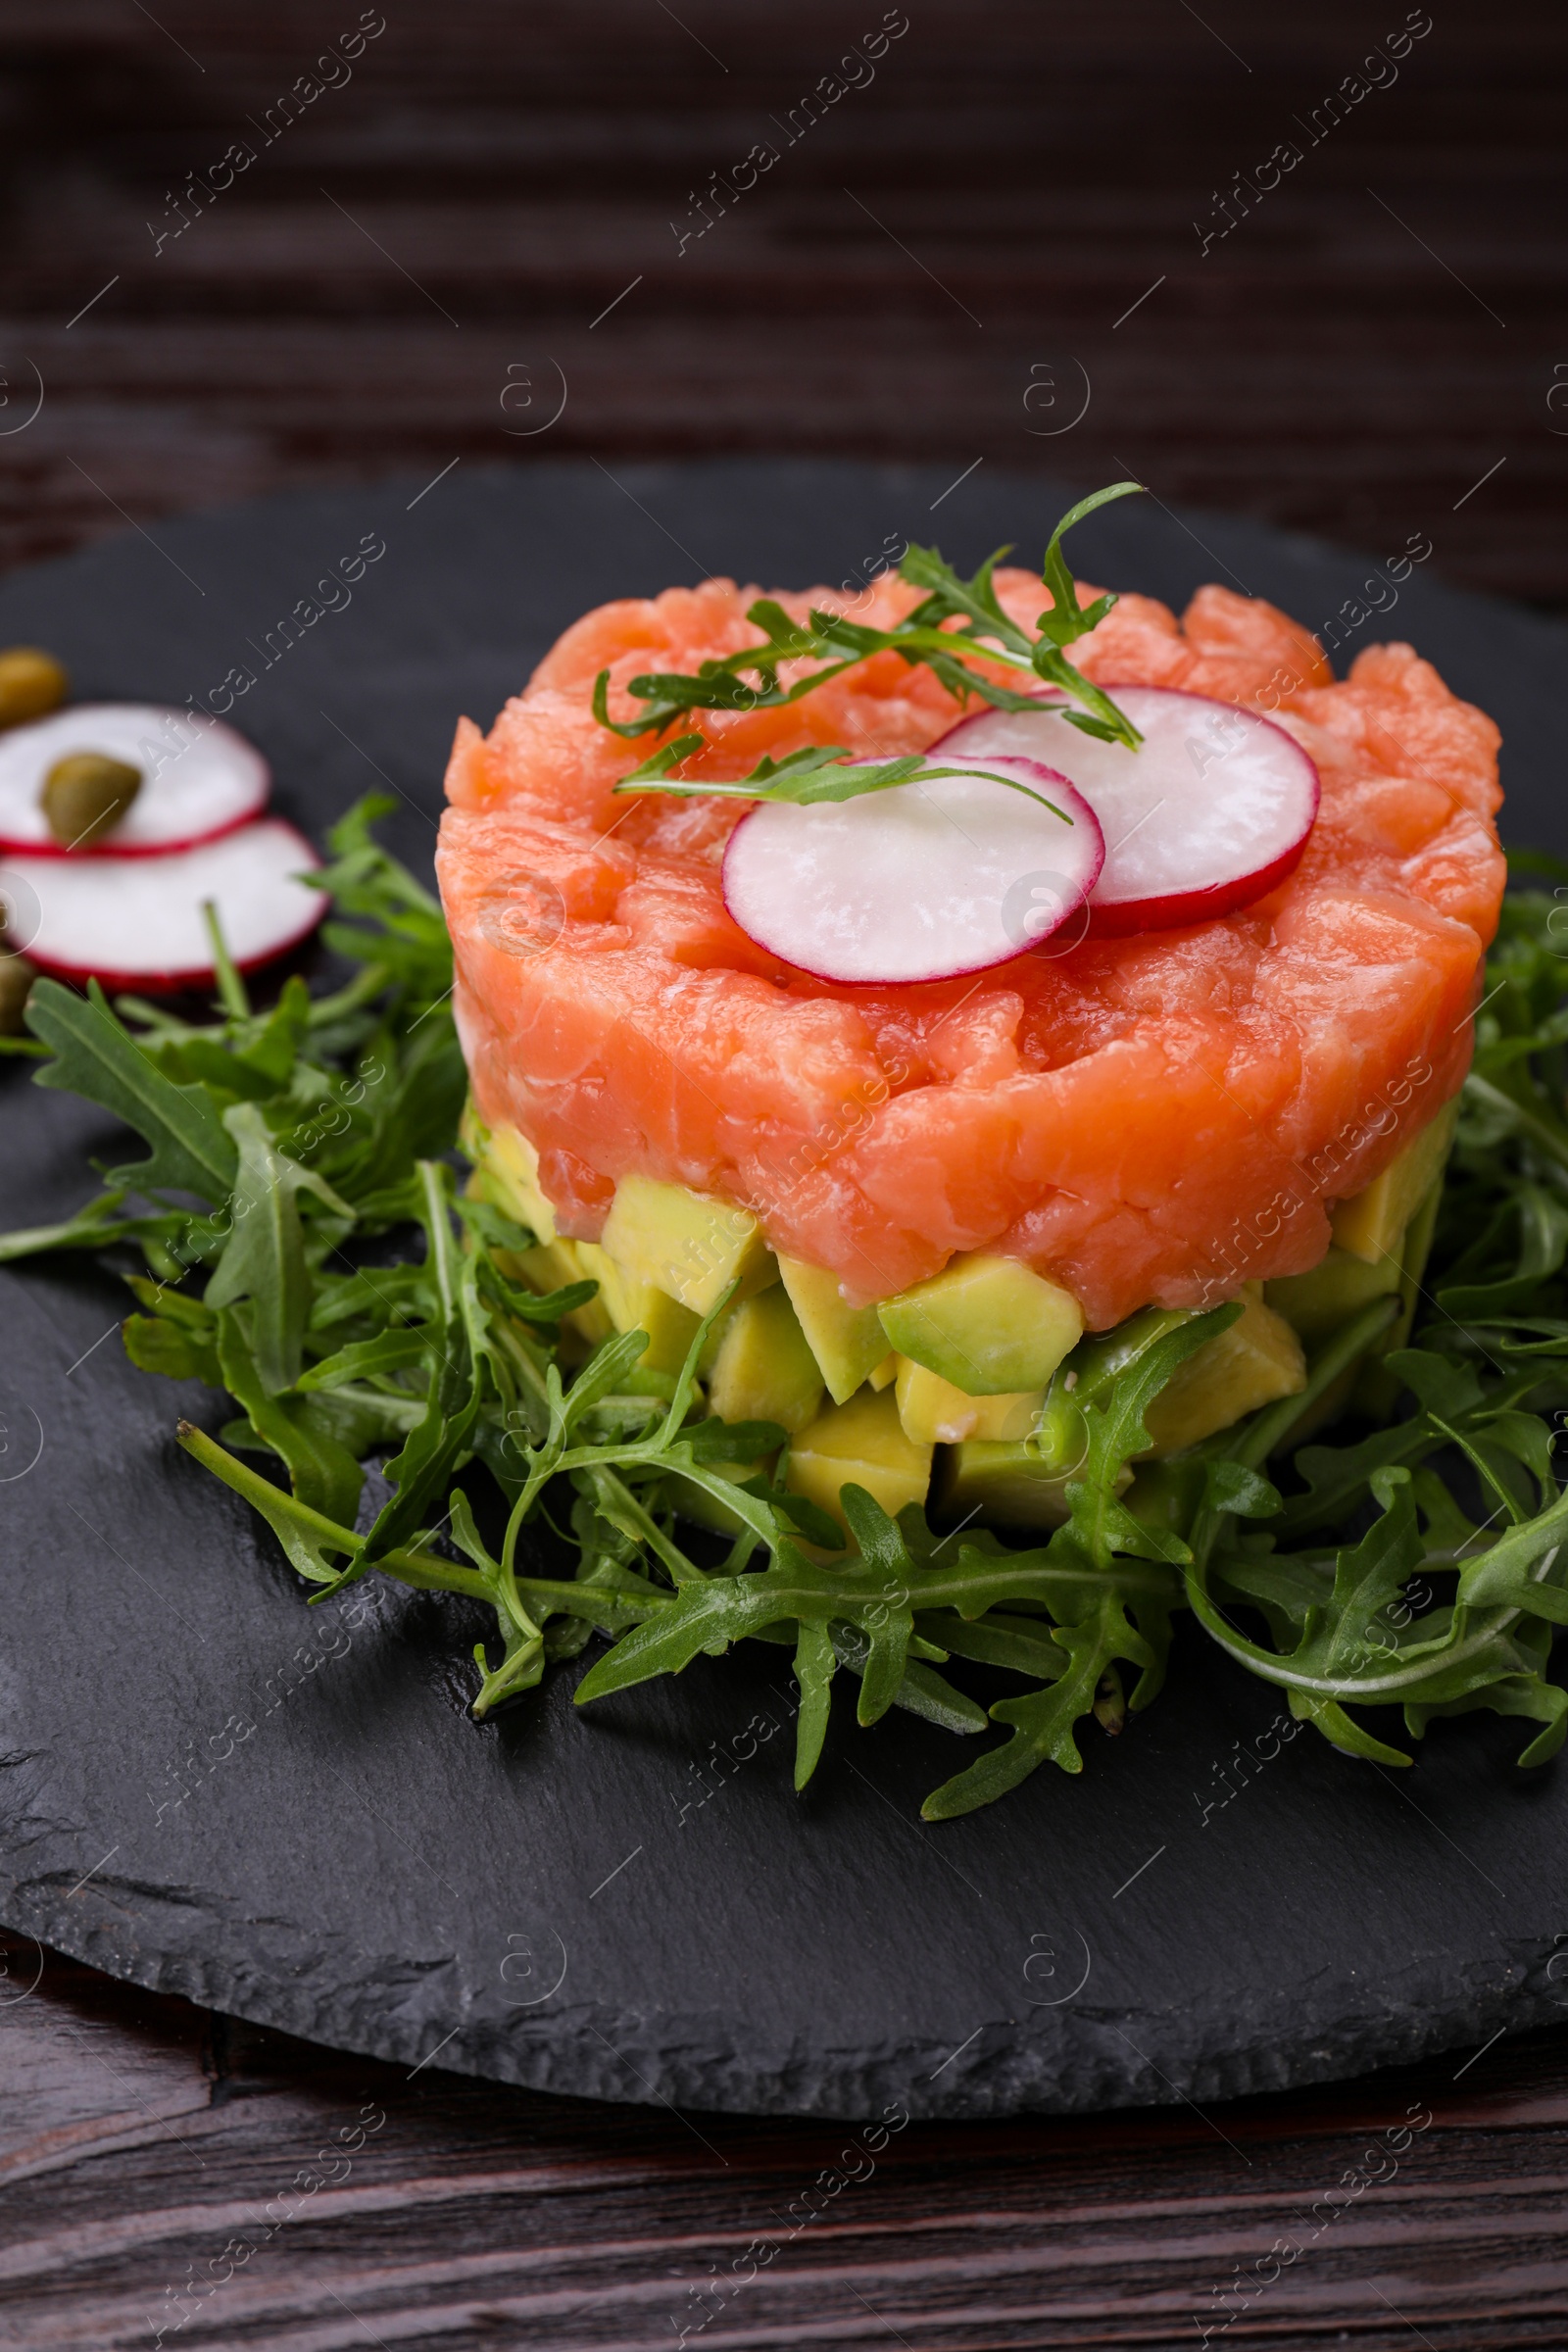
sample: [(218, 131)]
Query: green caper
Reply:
[(85, 795), (32, 682), (17, 976)]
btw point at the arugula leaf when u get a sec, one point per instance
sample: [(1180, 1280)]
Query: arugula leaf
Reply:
[(392, 1350), (1105, 1624), (306, 1534), (92, 1228), (438, 1445), (816, 1661), (1043, 1721), (158, 1342), (232, 993), (1352, 1639), (95, 1056), (264, 1258), (323, 1473), (1455, 1403), (1022, 1644), (806, 778)]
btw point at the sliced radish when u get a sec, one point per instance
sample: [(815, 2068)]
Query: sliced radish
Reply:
[(916, 883), (137, 923), (199, 778), (1212, 811)]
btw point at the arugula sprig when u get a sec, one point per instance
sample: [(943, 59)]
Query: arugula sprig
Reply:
[(1344, 1628), (806, 778), (957, 624)]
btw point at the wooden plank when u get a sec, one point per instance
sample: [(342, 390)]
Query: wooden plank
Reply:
[(1331, 362), (143, 2139)]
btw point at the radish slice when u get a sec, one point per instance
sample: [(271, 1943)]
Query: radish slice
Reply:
[(1211, 812), (136, 924), (199, 778), (916, 883)]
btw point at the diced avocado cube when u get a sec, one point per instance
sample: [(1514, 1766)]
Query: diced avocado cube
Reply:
[(1257, 1360), (633, 1304), (1317, 1302), (934, 1412), (1008, 1484), (689, 1246), (861, 1444), (848, 1342), (1370, 1225), (764, 1370), (507, 1174), (510, 1165), (883, 1375), (991, 1325)]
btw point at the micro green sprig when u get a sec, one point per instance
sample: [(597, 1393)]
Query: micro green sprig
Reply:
[(806, 778), (957, 622)]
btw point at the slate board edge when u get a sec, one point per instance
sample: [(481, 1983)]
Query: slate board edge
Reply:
[(1090, 2066)]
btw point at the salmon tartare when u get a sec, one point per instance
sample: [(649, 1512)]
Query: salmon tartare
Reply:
[(1167, 1120)]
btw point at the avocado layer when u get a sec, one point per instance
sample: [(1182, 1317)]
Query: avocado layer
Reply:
[(990, 1325), (964, 1361), (1372, 1224), (934, 1412), (764, 1370), (1317, 1302), (689, 1246), (861, 1444), (848, 1342), (1253, 1363)]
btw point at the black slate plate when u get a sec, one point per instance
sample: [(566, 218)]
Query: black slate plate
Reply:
[(212, 1791)]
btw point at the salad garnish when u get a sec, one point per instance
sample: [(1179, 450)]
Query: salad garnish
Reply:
[(957, 622), (808, 778)]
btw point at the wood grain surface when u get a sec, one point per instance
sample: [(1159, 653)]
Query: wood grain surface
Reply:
[(991, 248), (1004, 216), (163, 2168)]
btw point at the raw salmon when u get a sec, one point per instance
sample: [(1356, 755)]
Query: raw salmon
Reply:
[(1148, 1119)]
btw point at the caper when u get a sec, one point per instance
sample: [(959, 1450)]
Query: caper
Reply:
[(85, 795), (17, 976), (32, 682)]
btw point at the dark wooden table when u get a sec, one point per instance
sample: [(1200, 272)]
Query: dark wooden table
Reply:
[(164, 2167), (1010, 207), (1001, 216)]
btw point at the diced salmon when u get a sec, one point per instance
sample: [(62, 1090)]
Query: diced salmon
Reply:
[(1149, 1119)]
